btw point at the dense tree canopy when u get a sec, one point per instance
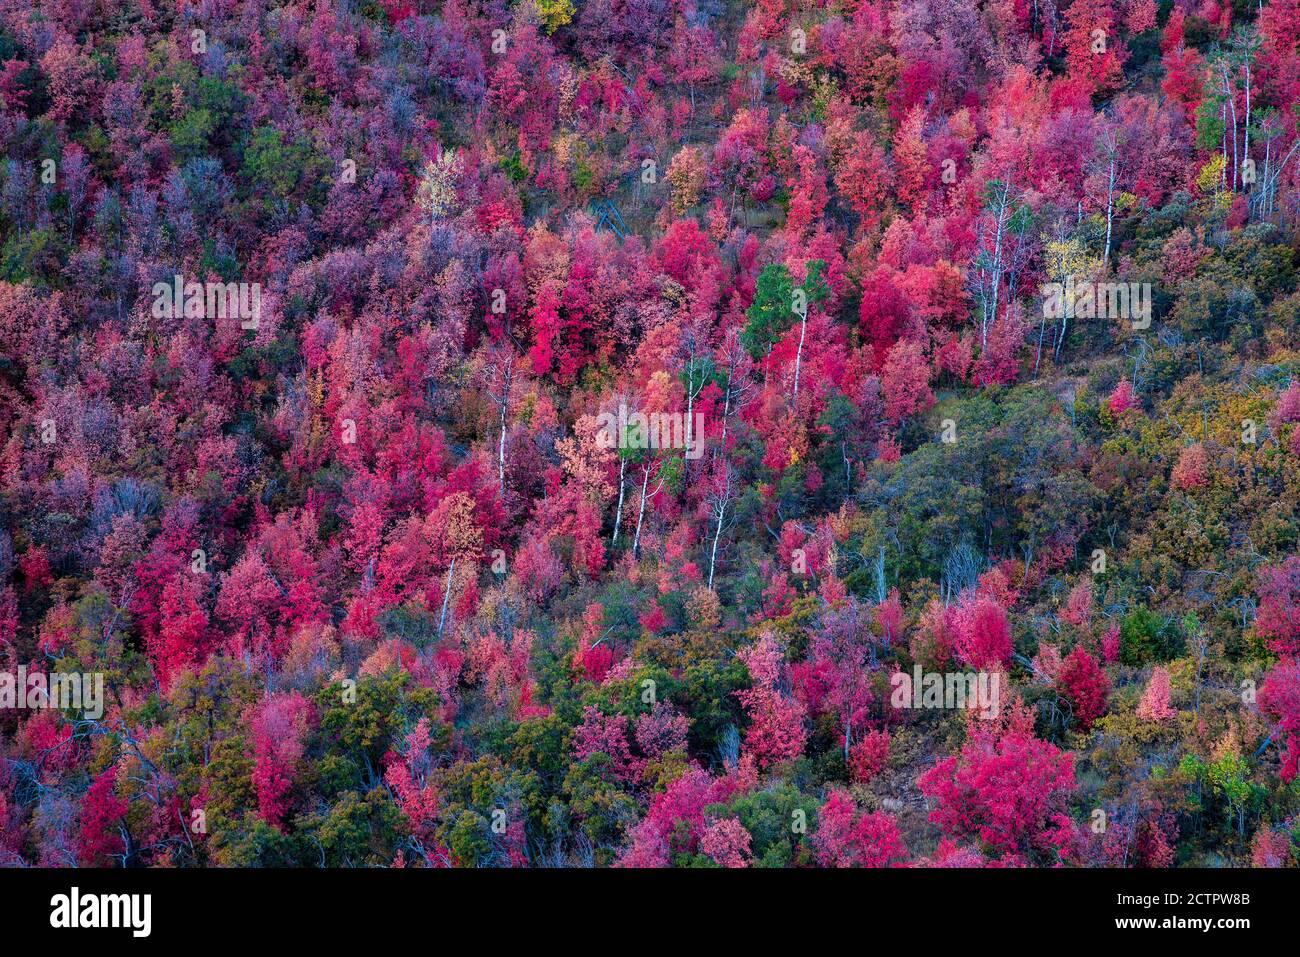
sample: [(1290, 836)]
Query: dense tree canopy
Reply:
[(471, 433)]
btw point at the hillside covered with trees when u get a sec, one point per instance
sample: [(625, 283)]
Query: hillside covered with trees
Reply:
[(470, 433)]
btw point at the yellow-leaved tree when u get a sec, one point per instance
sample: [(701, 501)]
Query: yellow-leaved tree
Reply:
[(554, 13)]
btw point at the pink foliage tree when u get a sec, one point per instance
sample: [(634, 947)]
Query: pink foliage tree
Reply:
[(983, 633), (279, 729), (726, 843), (102, 812), (605, 734), (846, 837), (1122, 399), (1085, 684), (409, 777), (1154, 705), (1192, 469), (776, 730), (1279, 698), (869, 756), (1008, 792), (1278, 617)]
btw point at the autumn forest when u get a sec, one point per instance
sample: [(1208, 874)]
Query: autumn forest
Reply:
[(650, 433)]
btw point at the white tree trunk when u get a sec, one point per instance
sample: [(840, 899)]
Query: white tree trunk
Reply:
[(640, 512), (690, 406), (723, 497), (446, 598), (1110, 208), (501, 440), (618, 514), (713, 552), (798, 356)]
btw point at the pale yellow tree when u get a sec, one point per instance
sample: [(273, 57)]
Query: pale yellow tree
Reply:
[(1065, 261), (436, 193)]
